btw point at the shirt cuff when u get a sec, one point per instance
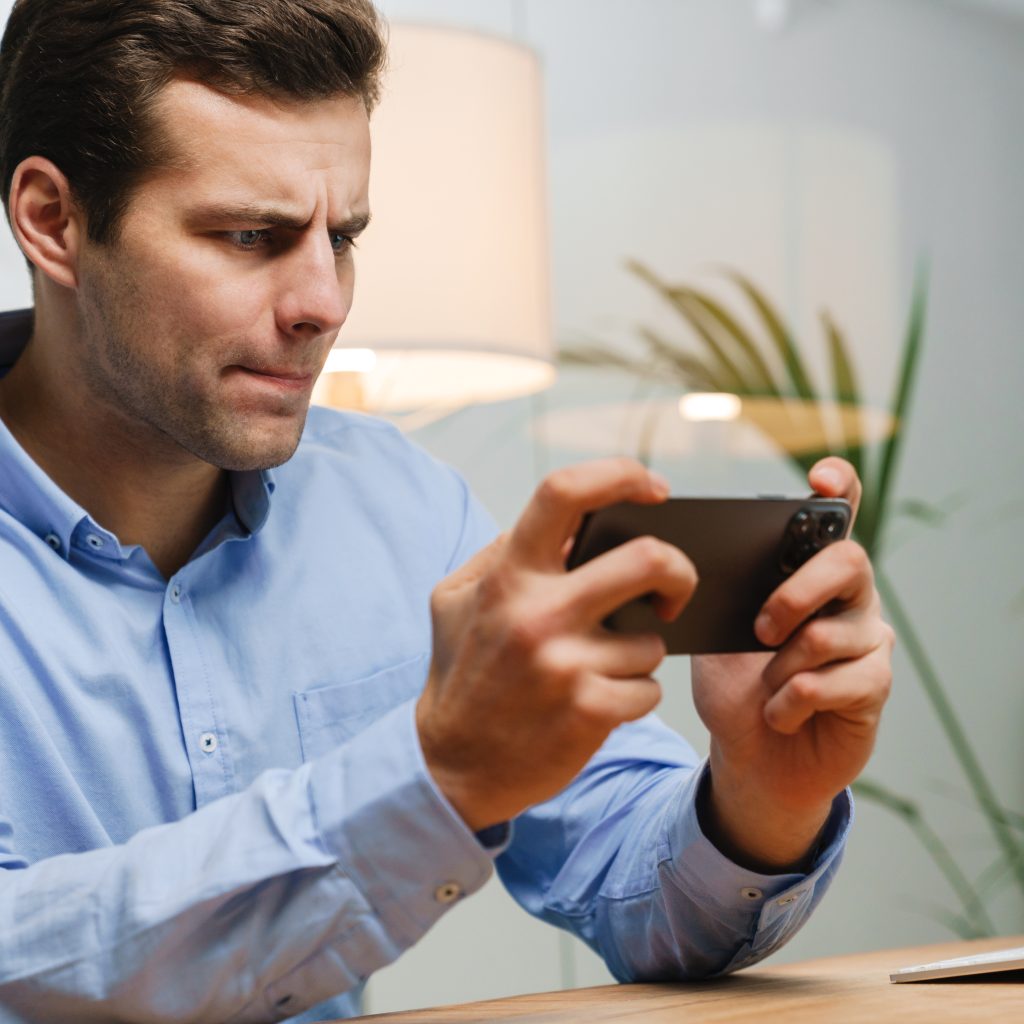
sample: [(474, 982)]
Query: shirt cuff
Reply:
[(381, 815), (772, 906)]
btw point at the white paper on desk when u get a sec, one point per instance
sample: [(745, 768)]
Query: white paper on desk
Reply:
[(977, 963)]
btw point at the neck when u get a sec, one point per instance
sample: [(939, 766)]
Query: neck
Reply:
[(154, 495)]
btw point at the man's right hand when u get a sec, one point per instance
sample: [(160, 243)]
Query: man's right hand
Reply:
[(525, 683)]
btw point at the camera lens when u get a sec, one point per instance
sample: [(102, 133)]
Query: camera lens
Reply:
[(831, 527), (801, 524)]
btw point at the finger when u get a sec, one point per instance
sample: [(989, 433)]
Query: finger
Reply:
[(643, 565), (558, 505), (834, 477), (855, 690), (622, 656), (838, 573), (822, 641), (610, 702)]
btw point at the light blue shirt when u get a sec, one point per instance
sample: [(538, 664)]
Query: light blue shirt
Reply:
[(213, 803)]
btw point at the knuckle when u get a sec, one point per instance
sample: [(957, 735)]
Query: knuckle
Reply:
[(786, 604), (556, 664), (645, 654), (886, 687), (556, 489), (885, 671), (816, 639), (591, 707), (888, 636), (495, 588), (803, 688), (627, 467), (853, 557), (437, 600), (525, 633), (650, 554)]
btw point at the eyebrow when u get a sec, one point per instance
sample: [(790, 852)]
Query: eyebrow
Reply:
[(253, 213)]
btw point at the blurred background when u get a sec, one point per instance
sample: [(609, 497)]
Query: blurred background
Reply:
[(843, 156)]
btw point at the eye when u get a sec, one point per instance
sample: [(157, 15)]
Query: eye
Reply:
[(341, 243), (250, 239)]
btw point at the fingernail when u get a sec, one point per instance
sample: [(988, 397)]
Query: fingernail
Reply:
[(659, 483), (764, 628)]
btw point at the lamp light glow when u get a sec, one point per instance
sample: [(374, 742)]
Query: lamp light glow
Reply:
[(350, 360), (698, 406)]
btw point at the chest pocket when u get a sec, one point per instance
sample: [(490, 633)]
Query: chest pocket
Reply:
[(330, 715)]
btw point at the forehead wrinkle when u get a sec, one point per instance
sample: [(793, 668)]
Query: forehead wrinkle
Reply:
[(243, 154)]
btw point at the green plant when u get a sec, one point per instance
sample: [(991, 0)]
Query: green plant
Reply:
[(768, 364)]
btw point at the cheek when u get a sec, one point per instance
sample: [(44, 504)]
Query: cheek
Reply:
[(201, 297)]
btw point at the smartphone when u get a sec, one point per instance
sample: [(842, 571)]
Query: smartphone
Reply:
[(743, 548)]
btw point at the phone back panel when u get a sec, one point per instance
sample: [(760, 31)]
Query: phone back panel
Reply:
[(738, 547)]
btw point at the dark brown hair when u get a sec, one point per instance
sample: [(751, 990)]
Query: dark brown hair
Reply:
[(78, 78)]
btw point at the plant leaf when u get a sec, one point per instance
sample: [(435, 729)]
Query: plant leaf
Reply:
[(779, 335), (785, 345), (847, 394), (715, 313), (975, 916), (922, 511), (899, 805), (691, 369), (725, 368), (900, 405)]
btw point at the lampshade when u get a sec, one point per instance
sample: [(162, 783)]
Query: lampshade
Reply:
[(452, 280)]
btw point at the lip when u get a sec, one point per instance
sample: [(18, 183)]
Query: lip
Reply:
[(280, 376)]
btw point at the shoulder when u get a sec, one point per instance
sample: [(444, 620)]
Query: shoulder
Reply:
[(365, 469), (357, 446), (330, 430)]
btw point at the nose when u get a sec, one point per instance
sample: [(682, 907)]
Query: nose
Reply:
[(317, 293)]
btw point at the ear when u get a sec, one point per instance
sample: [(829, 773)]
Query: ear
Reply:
[(47, 223)]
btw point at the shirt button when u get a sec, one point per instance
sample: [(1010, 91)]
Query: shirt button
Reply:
[(53, 540), (94, 542), (791, 898), (208, 742), (176, 593), (750, 893), (449, 892)]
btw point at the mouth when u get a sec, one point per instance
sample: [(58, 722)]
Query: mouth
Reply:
[(282, 377)]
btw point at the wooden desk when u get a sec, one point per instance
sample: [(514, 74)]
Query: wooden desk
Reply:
[(838, 989)]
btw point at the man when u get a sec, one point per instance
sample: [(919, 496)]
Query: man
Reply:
[(261, 727)]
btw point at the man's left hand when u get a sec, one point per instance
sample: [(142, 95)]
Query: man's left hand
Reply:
[(791, 728)]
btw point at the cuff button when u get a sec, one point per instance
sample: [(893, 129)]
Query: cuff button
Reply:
[(448, 892)]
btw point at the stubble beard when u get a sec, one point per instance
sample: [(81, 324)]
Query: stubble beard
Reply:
[(160, 415)]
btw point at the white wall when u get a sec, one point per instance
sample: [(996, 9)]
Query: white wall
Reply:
[(647, 101)]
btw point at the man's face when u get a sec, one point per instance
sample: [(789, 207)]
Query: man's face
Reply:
[(205, 324)]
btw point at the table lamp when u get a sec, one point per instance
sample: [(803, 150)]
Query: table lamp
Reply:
[(452, 298)]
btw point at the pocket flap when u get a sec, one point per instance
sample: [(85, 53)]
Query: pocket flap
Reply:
[(330, 715)]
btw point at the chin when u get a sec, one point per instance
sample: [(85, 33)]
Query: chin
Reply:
[(239, 453)]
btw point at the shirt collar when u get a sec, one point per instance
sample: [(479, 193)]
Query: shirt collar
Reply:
[(32, 498), (250, 494), (15, 330)]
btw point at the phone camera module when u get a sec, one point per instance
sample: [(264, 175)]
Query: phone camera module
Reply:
[(831, 527), (801, 525)]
